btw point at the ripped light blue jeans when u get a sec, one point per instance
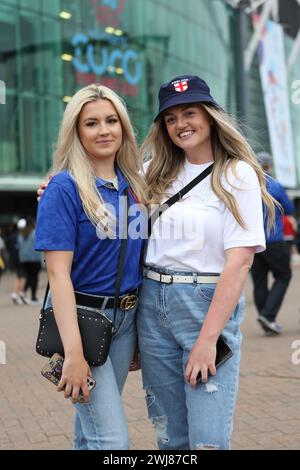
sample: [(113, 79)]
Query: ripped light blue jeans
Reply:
[(169, 319), (101, 423)]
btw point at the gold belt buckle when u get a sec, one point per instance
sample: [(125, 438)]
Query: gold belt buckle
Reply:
[(128, 302)]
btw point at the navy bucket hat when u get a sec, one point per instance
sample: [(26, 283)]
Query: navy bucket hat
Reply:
[(184, 89)]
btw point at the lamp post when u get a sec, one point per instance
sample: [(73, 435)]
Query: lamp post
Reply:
[(242, 74)]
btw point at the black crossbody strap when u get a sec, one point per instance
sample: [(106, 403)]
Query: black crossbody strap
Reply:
[(121, 258), (45, 297), (166, 205)]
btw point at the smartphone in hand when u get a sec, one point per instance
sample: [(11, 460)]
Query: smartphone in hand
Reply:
[(52, 371), (223, 354)]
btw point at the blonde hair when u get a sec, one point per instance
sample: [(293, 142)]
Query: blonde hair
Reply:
[(70, 154), (228, 146)]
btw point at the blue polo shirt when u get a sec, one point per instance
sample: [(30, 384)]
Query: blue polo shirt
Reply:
[(62, 225)]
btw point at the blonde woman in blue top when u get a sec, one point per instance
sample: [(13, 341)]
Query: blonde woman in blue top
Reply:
[(94, 163)]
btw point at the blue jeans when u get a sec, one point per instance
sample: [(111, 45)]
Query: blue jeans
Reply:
[(101, 423), (169, 319)]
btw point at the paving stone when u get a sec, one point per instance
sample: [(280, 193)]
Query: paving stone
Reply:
[(34, 416)]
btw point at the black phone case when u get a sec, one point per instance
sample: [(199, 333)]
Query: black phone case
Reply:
[(223, 354)]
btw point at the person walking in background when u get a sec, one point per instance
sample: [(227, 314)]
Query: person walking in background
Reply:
[(297, 240), (2, 262), (289, 230), (290, 236), (276, 259), (30, 261), (13, 247), (95, 165)]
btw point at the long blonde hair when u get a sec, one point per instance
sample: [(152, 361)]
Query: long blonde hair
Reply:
[(70, 154), (228, 146)]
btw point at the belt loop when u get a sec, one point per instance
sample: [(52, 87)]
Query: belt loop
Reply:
[(104, 303), (195, 279), (146, 270)]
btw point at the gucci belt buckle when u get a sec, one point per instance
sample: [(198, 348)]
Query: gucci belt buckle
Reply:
[(128, 302)]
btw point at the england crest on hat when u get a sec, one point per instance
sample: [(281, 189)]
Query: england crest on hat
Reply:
[(181, 85)]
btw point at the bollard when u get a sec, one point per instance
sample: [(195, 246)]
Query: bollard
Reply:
[(2, 92), (2, 352)]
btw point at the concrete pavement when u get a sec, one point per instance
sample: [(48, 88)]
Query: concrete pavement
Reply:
[(34, 416)]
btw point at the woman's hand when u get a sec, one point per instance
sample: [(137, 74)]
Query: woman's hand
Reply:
[(74, 378), (42, 188), (202, 359), (136, 362)]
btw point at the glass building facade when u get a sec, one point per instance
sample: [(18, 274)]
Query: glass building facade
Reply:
[(51, 48)]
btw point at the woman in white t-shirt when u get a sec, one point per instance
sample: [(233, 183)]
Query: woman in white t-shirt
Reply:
[(197, 260)]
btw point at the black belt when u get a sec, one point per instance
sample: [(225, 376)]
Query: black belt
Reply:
[(125, 302)]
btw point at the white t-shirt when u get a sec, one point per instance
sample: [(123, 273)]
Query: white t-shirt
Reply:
[(194, 233)]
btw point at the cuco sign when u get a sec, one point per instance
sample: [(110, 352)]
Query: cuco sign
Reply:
[(127, 59)]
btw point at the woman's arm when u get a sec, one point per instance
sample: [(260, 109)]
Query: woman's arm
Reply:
[(225, 300), (75, 368)]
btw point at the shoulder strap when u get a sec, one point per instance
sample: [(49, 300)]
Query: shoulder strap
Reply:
[(45, 297), (166, 205), (122, 252)]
